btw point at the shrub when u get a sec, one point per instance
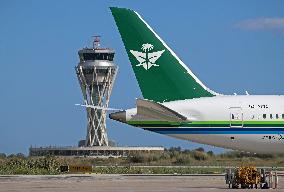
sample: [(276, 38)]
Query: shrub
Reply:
[(200, 156), (178, 149), (201, 149), (22, 165), (210, 153), (20, 155), (2, 155), (183, 160), (137, 158)]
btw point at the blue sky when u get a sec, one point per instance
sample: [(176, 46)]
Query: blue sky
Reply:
[(232, 46)]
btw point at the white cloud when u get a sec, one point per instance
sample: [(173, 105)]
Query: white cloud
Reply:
[(275, 24)]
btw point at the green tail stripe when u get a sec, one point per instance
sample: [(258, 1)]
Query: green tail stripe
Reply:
[(161, 75)]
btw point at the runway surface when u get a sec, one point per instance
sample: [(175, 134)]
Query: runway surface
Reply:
[(119, 183)]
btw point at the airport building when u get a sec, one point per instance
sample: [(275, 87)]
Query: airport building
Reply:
[(96, 74)]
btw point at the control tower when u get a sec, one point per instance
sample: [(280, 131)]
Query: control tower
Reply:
[(96, 73)]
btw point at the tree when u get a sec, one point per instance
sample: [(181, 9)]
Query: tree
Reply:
[(200, 149), (210, 153), (21, 155), (200, 156), (175, 149), (2, 155)]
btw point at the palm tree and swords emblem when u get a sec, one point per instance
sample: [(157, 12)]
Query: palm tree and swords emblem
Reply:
[(146, 58)]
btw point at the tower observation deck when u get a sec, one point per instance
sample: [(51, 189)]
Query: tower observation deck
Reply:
[(96, 73)]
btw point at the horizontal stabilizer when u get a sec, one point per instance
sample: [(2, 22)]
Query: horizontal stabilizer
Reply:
[(153, 110), (98, 107)]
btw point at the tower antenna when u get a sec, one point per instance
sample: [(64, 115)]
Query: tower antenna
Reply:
[(97, 41)]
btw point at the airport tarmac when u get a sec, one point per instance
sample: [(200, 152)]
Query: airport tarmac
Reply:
[(119, 183)]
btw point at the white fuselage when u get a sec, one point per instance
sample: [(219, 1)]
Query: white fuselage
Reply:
[(247, 123)]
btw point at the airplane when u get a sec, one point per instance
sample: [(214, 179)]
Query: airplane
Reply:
[(176, 103)]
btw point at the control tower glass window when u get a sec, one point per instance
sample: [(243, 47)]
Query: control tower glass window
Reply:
[(98, 56)]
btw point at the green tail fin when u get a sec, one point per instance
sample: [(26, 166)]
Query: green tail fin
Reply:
[(161, 75)]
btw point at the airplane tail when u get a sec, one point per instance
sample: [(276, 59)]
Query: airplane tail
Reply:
[(161, 75)]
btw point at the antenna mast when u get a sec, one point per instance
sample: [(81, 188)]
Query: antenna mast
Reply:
[(96, 42)]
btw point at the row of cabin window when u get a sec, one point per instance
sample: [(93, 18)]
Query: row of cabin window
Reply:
[(277, 116)]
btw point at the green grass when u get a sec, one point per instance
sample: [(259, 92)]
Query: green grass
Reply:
[(19, 164), (155, 170)]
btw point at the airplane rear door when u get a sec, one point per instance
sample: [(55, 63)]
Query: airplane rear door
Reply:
[(236, 117)]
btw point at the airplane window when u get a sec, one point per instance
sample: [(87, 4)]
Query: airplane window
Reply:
[(277, 116), (264, 116), (271, 116)]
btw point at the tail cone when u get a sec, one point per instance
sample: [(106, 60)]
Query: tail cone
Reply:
[(118, 116)]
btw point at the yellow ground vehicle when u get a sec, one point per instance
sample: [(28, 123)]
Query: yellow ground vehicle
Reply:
[(249, 177)]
